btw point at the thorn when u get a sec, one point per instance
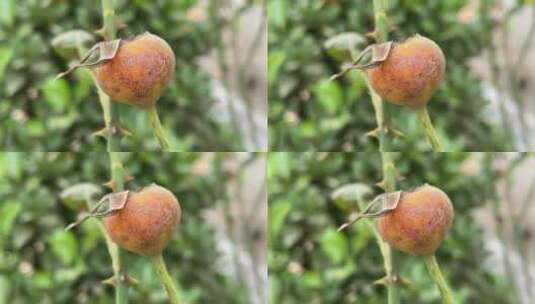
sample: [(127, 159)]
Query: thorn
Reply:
[(119, 23), (114, 128), (400, 282), (397, 133), (391, 26), (110, 184), (131, 280), (381, 184), (109, 281), (102, 132), (123, 131), (128, 178), (101, 32), (373, 34), (404, 283), (373, 133), (382, 281), (126, 278)]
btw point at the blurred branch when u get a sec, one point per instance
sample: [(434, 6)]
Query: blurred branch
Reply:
[(214, 8), (510, 227), (511, 70)]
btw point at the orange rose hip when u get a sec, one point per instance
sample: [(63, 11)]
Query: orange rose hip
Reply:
[(147, 222), (410, 74), (420, 221), (139, 72)]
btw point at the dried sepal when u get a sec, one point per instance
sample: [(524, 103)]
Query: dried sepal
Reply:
[(106, 51), (380, 205), (379, 53), (108, 205)]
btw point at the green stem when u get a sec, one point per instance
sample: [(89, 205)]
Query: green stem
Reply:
[(381, 25), (156, 125), (389, 179), (111, 119), (436, 275), (430, 132), (165, 278), (121, 287), (389, 174)]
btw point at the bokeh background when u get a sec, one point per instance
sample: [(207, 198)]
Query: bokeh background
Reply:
[(216, 103), (484, 104), (489, 256), (218, 254)]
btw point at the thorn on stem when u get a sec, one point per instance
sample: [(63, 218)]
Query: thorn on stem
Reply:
[(381, 184), (374, 133), (102, 132), (374, 35)]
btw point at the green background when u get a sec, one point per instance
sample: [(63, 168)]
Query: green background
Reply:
[(310, 262), (40, 262), (38, 113), (307, 112)]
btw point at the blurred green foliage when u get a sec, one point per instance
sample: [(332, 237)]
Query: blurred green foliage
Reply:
[(38, 113), (310, 262), (40, 262), (309, 112)]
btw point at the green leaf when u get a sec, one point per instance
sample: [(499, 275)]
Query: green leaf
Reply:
[(5, 288), (275, 61), (7, 12), (329, 94), (344, 46), (64, 245), (8, 214), (5, 56), (67, 44), (57, 94), (42, 279), (312, 279), (279, 165), (277, 214), (334, 244), (277, 12), (76, 196), (347, 196)]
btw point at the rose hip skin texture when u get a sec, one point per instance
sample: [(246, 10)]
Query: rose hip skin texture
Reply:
[(139, 72), (147, 222), (411, 72), (420, 221)]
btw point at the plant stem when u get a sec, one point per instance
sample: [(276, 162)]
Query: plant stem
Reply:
[(111, 118), (121, 288), (436, 275), (389, 179), (156, 125), (389, 174), (165, 278), (424, 119), (213, 9)]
